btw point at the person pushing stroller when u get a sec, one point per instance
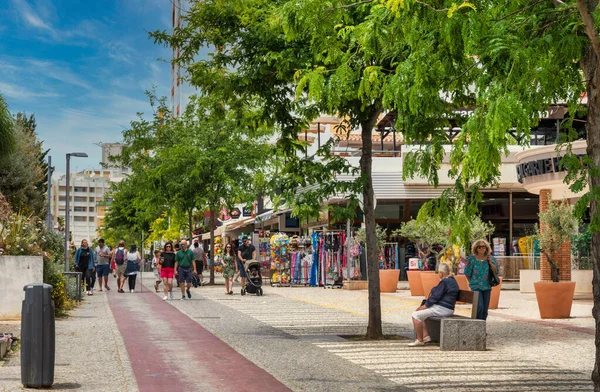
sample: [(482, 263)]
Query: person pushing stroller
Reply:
[(246, 252)]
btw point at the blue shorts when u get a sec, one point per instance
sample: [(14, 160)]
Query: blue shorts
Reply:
[(103, 270), (184, 275), (241, 269)]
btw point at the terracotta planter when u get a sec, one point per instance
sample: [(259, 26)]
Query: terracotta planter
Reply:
[(429, 279), (414, 283), (388, 280), (463, 282), (554, 299), (495, 297)]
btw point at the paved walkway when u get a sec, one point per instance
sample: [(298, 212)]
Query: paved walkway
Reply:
[(291, 339)]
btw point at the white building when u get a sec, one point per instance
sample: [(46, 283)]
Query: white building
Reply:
[(87, 191)]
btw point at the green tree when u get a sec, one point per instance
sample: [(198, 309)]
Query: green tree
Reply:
[(207, 158), (7, 135), (24, 177)]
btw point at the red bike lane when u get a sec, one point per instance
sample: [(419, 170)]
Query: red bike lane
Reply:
[(170, 351)]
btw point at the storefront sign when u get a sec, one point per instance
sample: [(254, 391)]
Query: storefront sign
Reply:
[(235, 213), (539, 167), (247, 211)]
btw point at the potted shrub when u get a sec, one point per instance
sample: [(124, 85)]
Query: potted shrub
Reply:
[(557, 225)]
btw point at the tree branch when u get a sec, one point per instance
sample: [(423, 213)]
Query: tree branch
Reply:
[(520, 11), (588, 22)]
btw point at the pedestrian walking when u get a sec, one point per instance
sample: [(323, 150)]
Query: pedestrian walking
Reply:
[(102, 264), (156, 269), (440, 303), (200, 258), (85, 262), (120, 257), (246, 252), (478, 273), (229, 267), (185, 265), (167, 269), (133, 266)]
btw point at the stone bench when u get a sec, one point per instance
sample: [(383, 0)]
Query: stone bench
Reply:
[(459, 333)]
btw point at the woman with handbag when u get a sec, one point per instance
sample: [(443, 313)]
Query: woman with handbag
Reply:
[(482, 273)]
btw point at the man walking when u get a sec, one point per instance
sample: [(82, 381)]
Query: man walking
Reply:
[(103, 266), (184, 266), (246, 252), (200, 258)]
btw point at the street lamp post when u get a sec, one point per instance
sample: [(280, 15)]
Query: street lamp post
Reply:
[(67, 207)]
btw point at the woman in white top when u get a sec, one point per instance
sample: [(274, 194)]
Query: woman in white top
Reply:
[(133, 266)]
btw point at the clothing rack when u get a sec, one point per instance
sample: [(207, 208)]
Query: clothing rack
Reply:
[(389, 256), (332, 257)]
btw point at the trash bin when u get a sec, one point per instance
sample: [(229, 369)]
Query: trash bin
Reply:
[(37, 336)]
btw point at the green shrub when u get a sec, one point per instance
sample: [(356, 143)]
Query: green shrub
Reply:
[(54, 277)]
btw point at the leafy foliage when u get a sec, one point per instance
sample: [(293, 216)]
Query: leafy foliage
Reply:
[(7, 134), (558, 226), (23, 174), (19, 235)]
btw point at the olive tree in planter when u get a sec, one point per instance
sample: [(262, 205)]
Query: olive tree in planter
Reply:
[(557, 226)]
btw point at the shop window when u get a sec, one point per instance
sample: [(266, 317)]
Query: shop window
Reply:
[(291, 222), (389, 211)]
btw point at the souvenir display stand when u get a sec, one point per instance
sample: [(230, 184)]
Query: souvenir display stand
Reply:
[(388, 258), (301, 260), (280, 262), (218, 253), (264, 254), (332, 258)]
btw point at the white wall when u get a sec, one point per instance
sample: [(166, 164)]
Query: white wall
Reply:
[(17, 272)]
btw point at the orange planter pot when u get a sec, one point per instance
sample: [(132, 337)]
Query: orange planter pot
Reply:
[(388, 280), (554, 298), (495, 297), (463, 282), (429, 279), (414, 283)]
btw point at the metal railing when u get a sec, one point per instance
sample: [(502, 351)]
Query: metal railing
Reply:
[(511, 265), (73, 286)]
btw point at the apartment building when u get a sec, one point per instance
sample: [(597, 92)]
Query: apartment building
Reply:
[(87, 196)]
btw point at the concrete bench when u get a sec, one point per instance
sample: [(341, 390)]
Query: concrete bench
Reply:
[(459, 333)]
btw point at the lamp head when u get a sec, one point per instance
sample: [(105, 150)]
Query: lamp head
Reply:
[(78, 154)]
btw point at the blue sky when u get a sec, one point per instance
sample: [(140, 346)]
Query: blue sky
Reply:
[(82, 67)]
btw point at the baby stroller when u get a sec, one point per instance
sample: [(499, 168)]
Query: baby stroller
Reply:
[(254, 280)]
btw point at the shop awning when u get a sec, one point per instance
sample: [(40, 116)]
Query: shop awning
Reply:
[(218, 233), (238, 223), (265, 216)]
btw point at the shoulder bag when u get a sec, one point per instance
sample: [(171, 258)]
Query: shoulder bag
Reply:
[(493, 276)]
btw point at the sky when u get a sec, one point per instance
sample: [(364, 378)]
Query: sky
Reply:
[(82, 67)]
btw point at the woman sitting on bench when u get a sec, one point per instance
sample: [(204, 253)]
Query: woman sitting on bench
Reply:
[(440, 303)]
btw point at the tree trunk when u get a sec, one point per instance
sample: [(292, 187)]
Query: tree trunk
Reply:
[(374, 330), (190, 211), (211, 254), (591, 69)]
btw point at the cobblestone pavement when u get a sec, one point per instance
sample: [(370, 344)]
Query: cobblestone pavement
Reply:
[(299, 336), (90, 353), (524, 353)]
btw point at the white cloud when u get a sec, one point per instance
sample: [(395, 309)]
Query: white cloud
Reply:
[(58, 72), (21, 93)]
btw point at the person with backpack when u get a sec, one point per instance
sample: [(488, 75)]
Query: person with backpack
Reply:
[(133, 266), (85, 262), (119, 257), (200, 258)]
